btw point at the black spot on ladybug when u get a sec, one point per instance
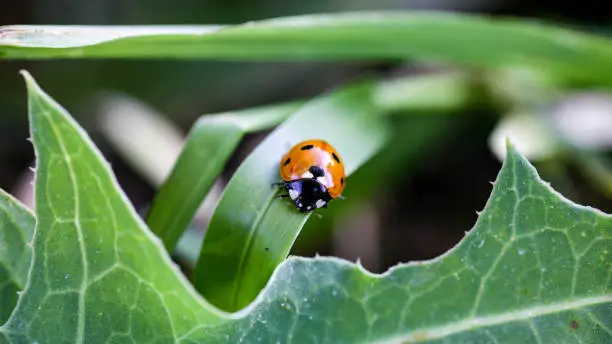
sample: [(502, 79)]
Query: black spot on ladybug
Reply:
[(307, 147), (575, 324), (287, 162), (316, 171), (342, 181), (335, 157)]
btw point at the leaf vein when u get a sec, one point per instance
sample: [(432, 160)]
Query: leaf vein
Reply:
[(534, 329), (111, 211), (499, 319), (159, 294), (597, 321), (85, 267), (249, 246)]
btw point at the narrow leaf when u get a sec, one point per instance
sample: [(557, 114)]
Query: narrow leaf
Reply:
[(449, 37), (252, 231), (211, 142), (16, 231), (214, 138), (98, 274)]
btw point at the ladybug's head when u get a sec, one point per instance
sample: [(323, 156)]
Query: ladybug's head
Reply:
[(307, 194)]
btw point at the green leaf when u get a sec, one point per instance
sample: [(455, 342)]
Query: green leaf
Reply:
[(210, 144), (16, 230), (536, 268), (447, 37), (98, 273), (251, 230)]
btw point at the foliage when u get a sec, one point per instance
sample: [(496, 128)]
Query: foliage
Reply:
[(534, 268)]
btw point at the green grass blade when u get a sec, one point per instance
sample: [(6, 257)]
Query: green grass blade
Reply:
[(450, 37), (210, 144), (16, 231), (252, 231), (213, 139)]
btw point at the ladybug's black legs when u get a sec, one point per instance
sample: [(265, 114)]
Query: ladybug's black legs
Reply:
[(283, 184)]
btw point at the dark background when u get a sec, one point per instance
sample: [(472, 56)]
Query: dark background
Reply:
[(423, 214)]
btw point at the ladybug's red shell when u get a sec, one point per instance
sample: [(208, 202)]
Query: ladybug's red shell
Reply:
[(298, 163)]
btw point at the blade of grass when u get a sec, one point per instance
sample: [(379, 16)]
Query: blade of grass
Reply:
[(449, 37), (209, 145), (252, 231), (214, 138)]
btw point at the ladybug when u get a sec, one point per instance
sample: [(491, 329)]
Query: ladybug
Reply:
[(313, 174)]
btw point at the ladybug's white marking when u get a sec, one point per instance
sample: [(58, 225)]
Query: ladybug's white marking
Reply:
[(308, 208), (307, 175), (326, 180), (322, 180), (300, 205), (293, 194), (320, 203)]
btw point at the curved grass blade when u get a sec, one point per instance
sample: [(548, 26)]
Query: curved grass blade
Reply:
[(448, 37), (98, 275), (16, 231), (252, 231), (213, 139), (210, 144)]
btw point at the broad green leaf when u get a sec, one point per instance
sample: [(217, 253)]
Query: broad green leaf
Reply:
[(536, 268), (98, 274), (210, 144), (448, 37), (16, 230), (252, 231)]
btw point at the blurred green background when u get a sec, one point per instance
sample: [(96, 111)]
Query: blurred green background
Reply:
[(413, 201)]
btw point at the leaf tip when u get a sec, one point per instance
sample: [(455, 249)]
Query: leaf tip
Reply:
[(31, 84), (27, 77), (512, 153), (510, 147)]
